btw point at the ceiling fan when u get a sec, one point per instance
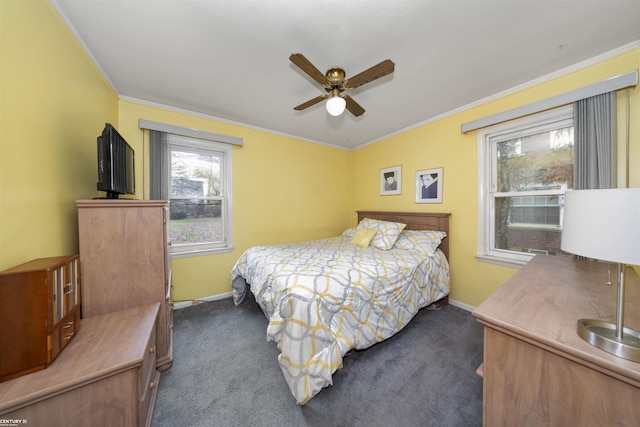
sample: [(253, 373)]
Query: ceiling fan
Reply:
[(335, 83)]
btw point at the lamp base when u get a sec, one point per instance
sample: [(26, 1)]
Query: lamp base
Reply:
[(603, 335)]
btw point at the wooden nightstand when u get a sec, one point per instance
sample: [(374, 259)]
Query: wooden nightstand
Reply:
[(106, 376)]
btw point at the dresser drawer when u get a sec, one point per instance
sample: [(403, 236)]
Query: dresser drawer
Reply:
[(148, 367), (146, 404), (69, 327), (62, 334), (148, 380)]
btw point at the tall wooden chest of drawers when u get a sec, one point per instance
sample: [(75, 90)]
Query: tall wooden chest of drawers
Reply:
[(125, 262), (39, 313)]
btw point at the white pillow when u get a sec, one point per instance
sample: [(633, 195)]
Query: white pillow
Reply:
[(387, 232), (349, 232), (425, 240)]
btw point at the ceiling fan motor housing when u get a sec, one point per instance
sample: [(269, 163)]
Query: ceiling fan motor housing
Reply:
[(336, 77)]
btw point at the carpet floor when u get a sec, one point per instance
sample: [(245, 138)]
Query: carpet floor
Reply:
[(225, 373)]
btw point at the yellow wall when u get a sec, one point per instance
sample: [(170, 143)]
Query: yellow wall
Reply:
[(284, 190), (53, 103), (441, 144)]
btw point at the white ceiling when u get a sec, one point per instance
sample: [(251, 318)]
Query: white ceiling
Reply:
[(229, 59)]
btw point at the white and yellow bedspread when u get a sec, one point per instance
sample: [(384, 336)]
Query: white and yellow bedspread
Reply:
[(325, 297)]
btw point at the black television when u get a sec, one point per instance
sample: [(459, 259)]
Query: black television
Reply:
[(116, 173)]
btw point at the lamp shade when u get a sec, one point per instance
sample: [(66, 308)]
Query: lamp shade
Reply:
[(603, 224), (336, 105)]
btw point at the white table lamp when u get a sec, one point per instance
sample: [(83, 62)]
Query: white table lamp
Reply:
[(605, 225)]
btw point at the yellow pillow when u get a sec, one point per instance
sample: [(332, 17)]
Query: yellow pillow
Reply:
[(387, 232), (363, 236)]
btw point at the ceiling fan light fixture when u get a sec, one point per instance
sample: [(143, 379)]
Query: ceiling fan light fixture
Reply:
[(336, 105)]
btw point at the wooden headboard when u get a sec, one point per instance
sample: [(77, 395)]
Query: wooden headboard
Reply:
[(415, 221)]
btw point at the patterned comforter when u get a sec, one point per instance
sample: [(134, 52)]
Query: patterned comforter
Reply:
[(325, 297)]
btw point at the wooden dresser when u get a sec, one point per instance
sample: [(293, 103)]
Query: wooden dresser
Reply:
[(537, 371), (125, 263), (106, 376)]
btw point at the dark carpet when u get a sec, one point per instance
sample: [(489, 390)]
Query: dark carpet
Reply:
[(225, 373)]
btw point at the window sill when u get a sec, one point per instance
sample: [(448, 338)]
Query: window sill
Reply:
[(189, 254), (505, 262)]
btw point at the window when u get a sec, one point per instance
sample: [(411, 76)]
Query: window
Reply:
[(199, 187), (525, 167)]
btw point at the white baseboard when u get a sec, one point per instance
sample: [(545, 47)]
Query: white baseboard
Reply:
[(461, 305), (218, 297), (183, 304)]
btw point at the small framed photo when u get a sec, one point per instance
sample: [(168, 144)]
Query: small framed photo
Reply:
[(391, 181), (429, 186)]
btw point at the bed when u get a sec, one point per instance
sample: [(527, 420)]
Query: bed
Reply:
[(324, 298)]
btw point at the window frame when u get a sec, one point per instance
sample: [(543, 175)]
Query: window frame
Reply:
[(487, 164), (224, 151)]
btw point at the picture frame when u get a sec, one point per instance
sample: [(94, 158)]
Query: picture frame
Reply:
[(391, 181), (429, 185)]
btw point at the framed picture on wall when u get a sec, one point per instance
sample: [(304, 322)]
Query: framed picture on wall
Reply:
[(429, 186), (391, 181)]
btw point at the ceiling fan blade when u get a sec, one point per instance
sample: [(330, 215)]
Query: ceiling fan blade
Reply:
[(311, 102), (382, 69), (355, 108), (305, 65)]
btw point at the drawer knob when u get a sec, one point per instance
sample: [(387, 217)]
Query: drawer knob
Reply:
[(152, 385), (152, 350)]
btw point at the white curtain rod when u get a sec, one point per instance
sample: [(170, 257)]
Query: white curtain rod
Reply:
[(615, 83), (193, 133)]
